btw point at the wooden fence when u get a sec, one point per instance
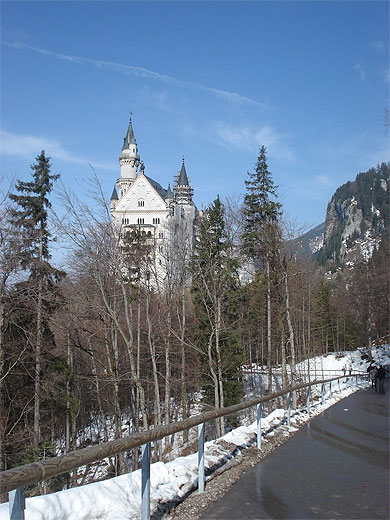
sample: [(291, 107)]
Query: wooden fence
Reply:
[(19, 477)]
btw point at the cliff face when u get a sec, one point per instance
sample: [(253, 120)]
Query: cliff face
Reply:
[(357, 218)]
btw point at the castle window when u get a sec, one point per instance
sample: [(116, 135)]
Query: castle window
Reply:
[(161, 235), (141, 202), (160, 249), (140, 221), (156, 221)]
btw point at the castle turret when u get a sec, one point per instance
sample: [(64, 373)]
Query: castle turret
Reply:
[(114, 198), (182, 188), (128, 159)]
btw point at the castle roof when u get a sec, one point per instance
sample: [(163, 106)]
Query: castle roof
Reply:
[(169, 193), (114, 195), (182, 179), (129, 139), (157, 186)]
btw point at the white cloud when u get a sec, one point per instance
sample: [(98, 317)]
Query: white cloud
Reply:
[(131, 70), (358, 67), (29, 146), (250, 139)]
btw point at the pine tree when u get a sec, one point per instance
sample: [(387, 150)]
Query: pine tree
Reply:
[(261, 233), (30, 216), (259, 208), (215, 290)]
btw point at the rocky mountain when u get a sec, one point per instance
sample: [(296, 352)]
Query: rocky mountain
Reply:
[(308, 244), (357, 220)]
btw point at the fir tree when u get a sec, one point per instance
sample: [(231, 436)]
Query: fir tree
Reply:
[(215, 290), (259, 208), (30, 216), (261, 234)]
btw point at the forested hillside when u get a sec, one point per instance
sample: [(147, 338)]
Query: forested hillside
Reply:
[(357, 217), (110, 343)]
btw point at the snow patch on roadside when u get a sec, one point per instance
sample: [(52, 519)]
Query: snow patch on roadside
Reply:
[(120, 498)]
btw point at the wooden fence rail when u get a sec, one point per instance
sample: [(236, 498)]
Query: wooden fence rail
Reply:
[(27, 474)]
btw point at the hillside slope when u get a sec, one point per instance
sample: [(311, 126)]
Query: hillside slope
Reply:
[(357, 220)]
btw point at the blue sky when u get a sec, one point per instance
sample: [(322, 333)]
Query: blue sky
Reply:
[(212, 81)]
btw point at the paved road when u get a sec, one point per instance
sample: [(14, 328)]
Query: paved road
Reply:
[(335, 467)]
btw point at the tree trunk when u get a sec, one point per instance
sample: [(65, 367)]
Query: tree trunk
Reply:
[(68, 427), (112, 344), (3, 418), (305, 345), (38, 349), (129, 342), (215, 382), (283, 356), (183, 386), (98, 398), (168, 366), (152, 351), (291, 339), (219, 363), (269, 346), (138, 356)]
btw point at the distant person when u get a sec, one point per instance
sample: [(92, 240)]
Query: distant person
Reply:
[(344, 369), (350, 369), (381, 379), (373, 373)]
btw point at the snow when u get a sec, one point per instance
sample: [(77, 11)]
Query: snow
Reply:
[(119, 498)]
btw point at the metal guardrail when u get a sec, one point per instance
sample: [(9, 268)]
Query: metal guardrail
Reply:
[(14, 480), (318, 372)]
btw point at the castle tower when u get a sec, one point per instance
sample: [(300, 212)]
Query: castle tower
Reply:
[(182, 188), (128, 160)]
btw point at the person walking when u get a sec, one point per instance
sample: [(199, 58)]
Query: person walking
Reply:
[(381, 379), (373, 373)]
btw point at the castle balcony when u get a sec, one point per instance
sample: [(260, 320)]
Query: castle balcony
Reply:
[(148, 231)]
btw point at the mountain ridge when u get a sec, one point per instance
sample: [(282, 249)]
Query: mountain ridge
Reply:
[(357, 219)]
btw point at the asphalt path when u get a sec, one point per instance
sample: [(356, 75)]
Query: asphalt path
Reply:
[(335, 467)]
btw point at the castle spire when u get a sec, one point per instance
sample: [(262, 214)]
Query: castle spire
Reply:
[(129, 158), (182, 179), (129, 139), (182, 188)]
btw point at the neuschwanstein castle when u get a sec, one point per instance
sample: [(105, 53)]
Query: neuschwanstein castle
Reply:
[(167, 216)]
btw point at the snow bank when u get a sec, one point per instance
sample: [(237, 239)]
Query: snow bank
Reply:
[(120, 498)]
